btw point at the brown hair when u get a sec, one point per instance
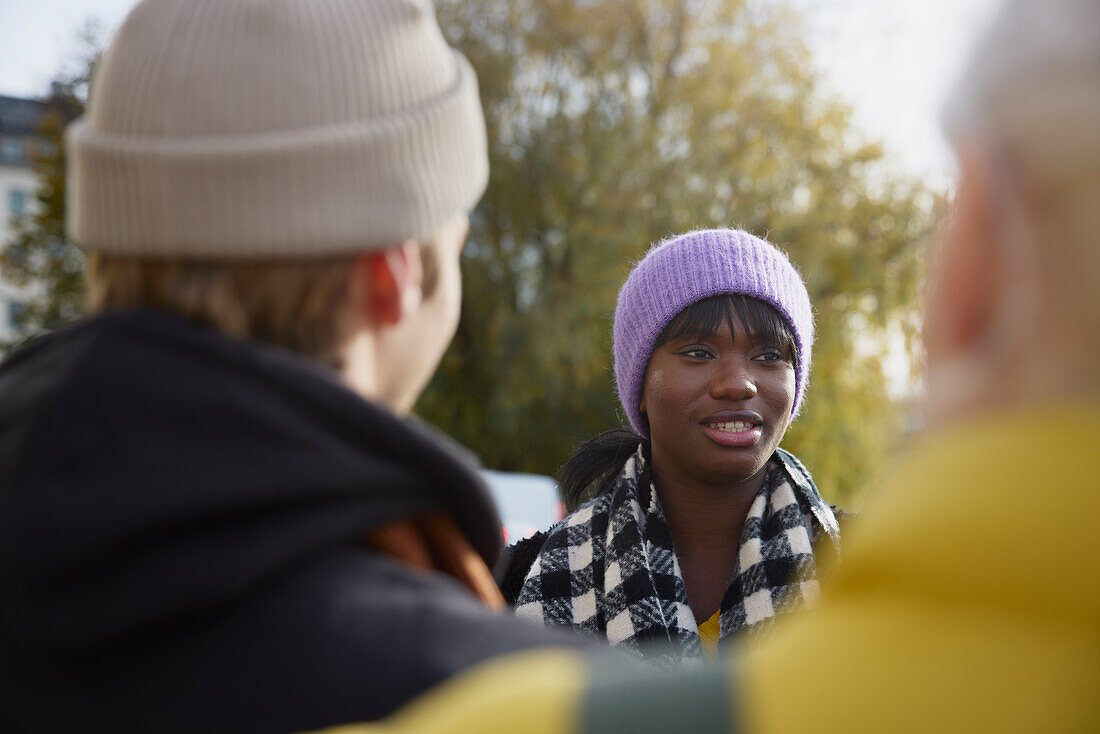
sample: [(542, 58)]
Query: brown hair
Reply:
[(300, 304)]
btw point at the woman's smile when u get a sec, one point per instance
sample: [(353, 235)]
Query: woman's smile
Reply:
[(734, 428)]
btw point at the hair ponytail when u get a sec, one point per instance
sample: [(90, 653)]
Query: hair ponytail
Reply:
[(595, 464)]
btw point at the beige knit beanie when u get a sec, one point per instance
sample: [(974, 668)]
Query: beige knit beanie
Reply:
[(266, 128)]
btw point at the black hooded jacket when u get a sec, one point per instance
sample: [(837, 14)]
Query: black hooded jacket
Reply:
[(181, 518)]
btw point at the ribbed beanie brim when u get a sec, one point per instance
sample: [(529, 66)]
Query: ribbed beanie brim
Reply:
[(254, 128), (687, 269)]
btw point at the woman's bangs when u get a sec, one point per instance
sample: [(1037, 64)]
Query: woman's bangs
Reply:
[(705, 317), (700, 319), (764, 323)]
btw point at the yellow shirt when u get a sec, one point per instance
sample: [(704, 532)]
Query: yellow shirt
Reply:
[(709, 631)]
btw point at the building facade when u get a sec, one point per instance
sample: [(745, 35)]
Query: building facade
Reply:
[(19, 121)]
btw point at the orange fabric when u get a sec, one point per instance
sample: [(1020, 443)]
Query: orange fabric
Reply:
[(432, 542)]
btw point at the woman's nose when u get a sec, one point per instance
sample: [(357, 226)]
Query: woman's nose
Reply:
[(732, 380)]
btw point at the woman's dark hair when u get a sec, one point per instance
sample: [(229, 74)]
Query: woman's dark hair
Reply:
[(595, 464)]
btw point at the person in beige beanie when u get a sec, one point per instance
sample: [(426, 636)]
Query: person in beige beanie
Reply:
[(215, 516)]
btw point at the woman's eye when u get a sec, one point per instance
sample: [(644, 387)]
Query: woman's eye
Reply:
[(696, 353), (770, 355)]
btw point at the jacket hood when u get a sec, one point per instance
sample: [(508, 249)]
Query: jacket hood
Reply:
[(152, 470)]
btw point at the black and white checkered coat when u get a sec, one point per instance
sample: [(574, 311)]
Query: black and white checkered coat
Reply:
[(610, 569)]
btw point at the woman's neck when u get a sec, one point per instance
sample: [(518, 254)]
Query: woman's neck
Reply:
[(706, 521)]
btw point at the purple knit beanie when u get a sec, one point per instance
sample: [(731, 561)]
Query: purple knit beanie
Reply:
[(686, 269)]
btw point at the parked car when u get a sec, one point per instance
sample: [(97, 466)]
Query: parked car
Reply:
[(527, 502)]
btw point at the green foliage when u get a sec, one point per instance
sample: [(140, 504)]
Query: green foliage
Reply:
[(615, 123), (39, 255)]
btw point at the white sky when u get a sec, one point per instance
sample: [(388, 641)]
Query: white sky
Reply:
[(892, 60)]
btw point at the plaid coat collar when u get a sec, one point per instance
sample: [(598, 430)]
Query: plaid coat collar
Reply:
[(610, 568)]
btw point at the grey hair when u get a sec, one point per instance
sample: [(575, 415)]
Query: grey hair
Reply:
[(1032, 87)]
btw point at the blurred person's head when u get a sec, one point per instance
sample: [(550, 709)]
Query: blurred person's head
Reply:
[(1014, 312), (298, 173)]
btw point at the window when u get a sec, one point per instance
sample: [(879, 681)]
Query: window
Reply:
[(17, 202), (11, 150), (16, 309)]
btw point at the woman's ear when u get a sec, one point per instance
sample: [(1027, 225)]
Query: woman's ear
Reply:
[(390, 283)]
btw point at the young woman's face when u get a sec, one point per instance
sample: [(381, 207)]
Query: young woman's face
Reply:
[(717, 406)]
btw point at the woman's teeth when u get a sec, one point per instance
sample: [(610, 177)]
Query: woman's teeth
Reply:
[(732, 427)]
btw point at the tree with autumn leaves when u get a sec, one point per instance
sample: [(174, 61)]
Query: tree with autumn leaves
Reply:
[(615, 123)]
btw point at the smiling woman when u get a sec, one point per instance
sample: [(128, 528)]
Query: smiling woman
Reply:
[(696, 525)]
